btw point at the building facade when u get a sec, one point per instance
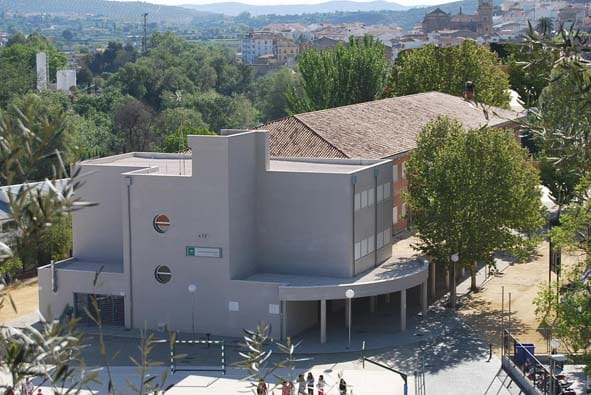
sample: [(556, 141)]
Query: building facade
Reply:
[(481, 22), (384, 129), (256, 238), (255, 45)]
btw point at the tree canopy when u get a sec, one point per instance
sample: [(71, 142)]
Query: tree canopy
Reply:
[(471, 192), (348, 74), (447, 69)]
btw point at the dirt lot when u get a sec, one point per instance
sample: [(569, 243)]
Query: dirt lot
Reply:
[(483, 310), (26, 298)]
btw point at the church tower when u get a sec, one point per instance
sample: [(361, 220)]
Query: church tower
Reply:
[(485, 13)]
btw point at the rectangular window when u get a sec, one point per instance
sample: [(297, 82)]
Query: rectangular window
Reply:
[(403, 169), (403, 209), (233, 306), (380, 193), (363, 199), (380, 237), (387, 190), (370, 194), (357, 201), (395, 215), (395, 173), (357, 251), (364, 247), (370, 244)]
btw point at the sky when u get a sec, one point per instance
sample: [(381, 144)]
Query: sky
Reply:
[(271, 2)]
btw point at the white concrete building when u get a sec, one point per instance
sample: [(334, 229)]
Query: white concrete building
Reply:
[(66, 79), (262, 239), (42, 71), (256, 44)]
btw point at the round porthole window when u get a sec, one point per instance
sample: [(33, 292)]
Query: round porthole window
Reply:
[(161, 223), (162, 274)]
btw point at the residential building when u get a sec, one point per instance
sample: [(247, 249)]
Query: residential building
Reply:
[(286, 51), (381, 129), (255, 45), (256, 238)]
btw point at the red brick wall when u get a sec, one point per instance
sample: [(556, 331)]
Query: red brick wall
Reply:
[(399, 186)]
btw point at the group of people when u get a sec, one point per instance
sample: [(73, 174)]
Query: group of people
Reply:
[(28, 389), (305, 386)]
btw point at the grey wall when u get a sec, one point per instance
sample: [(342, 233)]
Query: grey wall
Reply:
[(374, 218), (98, 230), (301, 315), (304, 226)]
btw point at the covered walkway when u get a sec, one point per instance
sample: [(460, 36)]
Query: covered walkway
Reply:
[(313, 301)]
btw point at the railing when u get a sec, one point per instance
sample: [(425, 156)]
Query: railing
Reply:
[(529, 374)]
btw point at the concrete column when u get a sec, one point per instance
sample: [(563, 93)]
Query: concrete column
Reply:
[(403, 310), (323, 321), (388, 299), (283, 320), (424, 303), (372, 304), (433, 278)]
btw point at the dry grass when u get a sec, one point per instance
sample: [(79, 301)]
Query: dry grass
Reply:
[(483, 310), (26, 298)]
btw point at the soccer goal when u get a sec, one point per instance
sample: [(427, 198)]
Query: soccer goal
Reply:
[(198, 356)]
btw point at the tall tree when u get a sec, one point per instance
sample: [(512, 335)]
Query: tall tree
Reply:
[(350, 74), (447, 69), (471, 193)]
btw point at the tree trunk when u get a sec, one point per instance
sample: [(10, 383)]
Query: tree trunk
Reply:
[(473, 270)]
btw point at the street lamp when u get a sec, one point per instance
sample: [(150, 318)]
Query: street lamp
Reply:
[(454, 259), (349, 294), (192, 288)]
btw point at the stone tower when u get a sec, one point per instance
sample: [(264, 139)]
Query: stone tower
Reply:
[(485, 13)]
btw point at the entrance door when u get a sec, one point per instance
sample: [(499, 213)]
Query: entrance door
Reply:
[(111, 309)]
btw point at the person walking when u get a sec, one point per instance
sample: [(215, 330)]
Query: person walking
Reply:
[(262, 387), (301, 384), (29, 387), (342, 387), (321, 385), (310, 383), (285, 388)]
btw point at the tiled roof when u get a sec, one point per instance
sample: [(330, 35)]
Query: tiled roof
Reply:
[(290, 137), (373, 130)]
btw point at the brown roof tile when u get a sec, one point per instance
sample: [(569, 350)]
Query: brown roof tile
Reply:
[(373, 130)]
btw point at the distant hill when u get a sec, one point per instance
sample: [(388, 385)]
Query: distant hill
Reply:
[(111, 9), (235, 8), (405, 18)]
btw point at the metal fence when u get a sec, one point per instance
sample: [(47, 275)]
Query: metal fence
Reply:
[(525, 368)]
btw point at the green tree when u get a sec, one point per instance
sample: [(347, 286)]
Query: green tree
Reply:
[(529, 71), (178, 141), (348, 74), (471, 193), (447, 69), (18, 65), (545, 26), (270, 94), (224, 112)]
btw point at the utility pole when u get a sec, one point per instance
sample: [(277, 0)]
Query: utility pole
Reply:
[(145, 41)]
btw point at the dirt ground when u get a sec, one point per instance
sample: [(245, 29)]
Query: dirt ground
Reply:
[(26, 298), (483, 310)]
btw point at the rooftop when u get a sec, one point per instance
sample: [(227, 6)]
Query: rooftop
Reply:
[(374, 130), (160, 163)]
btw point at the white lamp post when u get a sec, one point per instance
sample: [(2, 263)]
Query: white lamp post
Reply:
[(454, 259), (192, 288), (349, 294)]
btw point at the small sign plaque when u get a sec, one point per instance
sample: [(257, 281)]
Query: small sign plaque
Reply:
[(206, 252)]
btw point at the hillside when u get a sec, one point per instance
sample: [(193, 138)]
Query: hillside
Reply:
[(405, 19), (115, 10), (235, 8)]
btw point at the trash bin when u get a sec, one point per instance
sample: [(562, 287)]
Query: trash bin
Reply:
[(521, 352)]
